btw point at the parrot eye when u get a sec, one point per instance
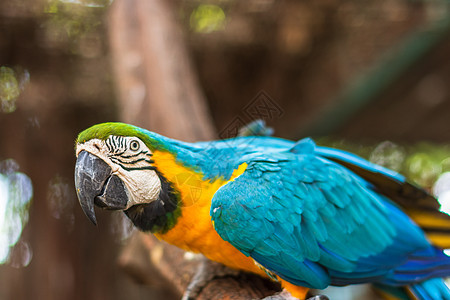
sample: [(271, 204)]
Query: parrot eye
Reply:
[(134, 145)]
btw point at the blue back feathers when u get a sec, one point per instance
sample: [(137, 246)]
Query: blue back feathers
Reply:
[(314, 216), (301, 214)]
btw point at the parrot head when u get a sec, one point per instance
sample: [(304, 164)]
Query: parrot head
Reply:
[(115, 170)]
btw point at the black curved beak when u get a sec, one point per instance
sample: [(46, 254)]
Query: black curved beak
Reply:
[(95, 184)]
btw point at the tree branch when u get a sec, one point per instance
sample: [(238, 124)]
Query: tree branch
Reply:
[(158, 90)]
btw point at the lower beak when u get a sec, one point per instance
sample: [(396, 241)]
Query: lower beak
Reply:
[(95, 184)]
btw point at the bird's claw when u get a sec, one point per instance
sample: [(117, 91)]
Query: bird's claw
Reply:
[(318, 297), (285, 295), (206, 272)]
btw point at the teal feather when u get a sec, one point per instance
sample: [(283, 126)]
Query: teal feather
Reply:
[(342, 226), (314, 216)]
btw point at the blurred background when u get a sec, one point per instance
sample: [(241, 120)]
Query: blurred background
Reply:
[(369, 76)]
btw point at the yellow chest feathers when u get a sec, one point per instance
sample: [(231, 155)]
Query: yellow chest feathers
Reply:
[(194, 230)]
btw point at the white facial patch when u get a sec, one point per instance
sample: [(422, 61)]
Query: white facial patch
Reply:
[(129, 159)]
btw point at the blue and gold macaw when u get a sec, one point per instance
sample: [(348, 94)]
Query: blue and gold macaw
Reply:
[(304, 215)]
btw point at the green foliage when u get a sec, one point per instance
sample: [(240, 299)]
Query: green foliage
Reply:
[(73, 23)]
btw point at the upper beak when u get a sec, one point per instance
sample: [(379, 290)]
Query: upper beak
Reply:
[(95, 184)]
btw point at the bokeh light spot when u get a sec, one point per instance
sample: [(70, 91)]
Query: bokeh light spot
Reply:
[(16, 191), (207, 18), (422, 169), (441, 190), (389, 155), (11, 85), (21, 255), (121, 227), (61, 201)]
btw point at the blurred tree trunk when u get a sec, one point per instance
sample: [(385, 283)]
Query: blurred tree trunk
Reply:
[(155, 81), (158, 90)]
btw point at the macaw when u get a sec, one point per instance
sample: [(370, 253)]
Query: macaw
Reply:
[(301, 214)]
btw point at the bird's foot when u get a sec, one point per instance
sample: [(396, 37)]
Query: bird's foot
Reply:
[(255, 128), (285, 295), (318, 297), (206, 272)]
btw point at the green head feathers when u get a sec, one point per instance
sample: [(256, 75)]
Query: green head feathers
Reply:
[(104, 130), (115, 171)]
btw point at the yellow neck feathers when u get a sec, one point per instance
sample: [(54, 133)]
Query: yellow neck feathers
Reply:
[(194, 230)]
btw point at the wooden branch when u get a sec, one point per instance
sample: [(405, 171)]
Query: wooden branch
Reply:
[(157, 89), (157, 264), (177, 267)]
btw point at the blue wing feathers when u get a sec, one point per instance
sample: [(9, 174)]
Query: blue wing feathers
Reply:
[(317, 228), (358, 161), (314, 223)]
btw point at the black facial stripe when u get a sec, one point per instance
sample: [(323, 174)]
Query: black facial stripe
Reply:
[(137, 168), (118, 160), (137, 154), (113, 140), (117, 152), (118, 146), (108, 144)]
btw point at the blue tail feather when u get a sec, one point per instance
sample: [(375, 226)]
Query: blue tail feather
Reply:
[(431, 289)]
